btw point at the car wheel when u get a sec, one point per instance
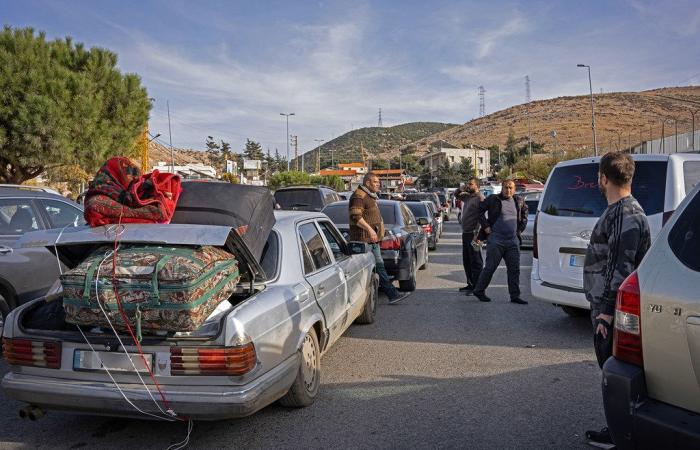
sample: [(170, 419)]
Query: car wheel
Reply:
[(308, 381), (410, 284), (370, 308), (574, 312)]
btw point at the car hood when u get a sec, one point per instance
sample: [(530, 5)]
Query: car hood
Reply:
[(73, 245)]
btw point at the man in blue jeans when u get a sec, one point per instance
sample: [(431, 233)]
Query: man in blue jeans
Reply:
[(367, 225), (503, 217)]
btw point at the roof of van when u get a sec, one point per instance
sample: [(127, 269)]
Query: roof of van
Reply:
[(636, 157)]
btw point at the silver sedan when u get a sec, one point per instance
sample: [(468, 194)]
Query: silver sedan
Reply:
[(263, 344)]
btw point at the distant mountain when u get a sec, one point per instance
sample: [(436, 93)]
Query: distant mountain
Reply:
[(376, 141), (623, 119)]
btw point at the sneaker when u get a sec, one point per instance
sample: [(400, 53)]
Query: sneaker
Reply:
[(518, 300), (466, 288), (398, 298), (602, 436), (482, 297)]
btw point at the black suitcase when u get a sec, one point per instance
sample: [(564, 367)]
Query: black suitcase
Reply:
[(249, 209)]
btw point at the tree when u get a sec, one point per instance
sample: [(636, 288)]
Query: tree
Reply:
[(231, 178), (447, 176), (511, 155), (332, 181), (465, 169), (253, 150), (291, 178), (62, 104)]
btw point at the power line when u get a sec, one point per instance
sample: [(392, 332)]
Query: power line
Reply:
[(482, 101), (379, 122)]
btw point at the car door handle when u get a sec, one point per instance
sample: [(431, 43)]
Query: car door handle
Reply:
[(320, 290), (5, 250), (301, 293), (693, 320)]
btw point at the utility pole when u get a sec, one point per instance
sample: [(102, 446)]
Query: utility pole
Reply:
[(319, 153), (287, 136), (527, 98), (295, 143), (590, 87), (482, 101), (379, 122), (692, 114)]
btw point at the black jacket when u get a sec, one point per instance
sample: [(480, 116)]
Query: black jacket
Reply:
[(492, 206)]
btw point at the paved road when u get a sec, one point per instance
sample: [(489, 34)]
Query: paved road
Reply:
[(439, 370)]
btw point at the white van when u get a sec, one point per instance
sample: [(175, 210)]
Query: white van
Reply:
[(571, 205)]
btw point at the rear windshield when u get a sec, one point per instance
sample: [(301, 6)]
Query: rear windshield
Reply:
[(418, 209), (684, 238), (573, 190), (691, 174), (340, 214), (303, 199)]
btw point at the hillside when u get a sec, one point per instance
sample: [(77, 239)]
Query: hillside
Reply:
[(376, 141), (622, 119), (158, 152)]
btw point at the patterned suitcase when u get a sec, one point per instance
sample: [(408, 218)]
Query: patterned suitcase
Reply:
[(173, 288)]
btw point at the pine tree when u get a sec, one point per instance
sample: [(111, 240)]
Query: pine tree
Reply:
[(253, 150)]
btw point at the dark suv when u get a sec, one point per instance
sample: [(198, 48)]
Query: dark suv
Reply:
[(26, 273), (305, 198)]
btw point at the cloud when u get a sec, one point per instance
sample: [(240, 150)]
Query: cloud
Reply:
[(486, 42)]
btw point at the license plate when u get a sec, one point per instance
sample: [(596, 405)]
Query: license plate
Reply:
[(576, 260), (114, 361)]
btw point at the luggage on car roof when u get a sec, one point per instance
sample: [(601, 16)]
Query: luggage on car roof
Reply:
[(249, 209), (172, 288)]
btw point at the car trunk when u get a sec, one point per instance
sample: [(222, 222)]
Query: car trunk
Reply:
[(83, 349)]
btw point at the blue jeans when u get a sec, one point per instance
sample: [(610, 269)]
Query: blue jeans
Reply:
[(384, 281)]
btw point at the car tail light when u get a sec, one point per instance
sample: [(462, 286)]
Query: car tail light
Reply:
[(391, 242), (428, 229), (535, 252), (666, 215), (237, 360), (25, 352), (627, 341)]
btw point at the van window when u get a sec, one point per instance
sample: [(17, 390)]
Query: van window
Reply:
[(684, 238), (573, 190), (691, 174), (299, 199)]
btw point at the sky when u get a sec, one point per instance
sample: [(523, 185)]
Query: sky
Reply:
[(227, 69)]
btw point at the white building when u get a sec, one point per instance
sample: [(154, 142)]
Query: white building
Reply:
[(188, 171), (442, 151)]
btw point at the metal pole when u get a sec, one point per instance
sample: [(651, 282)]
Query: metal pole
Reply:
[(287, 137), (590, 87), (172, 155), (676, 124), (692, 114)]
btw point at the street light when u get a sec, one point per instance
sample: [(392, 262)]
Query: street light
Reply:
[(590, 87), (287, 137)]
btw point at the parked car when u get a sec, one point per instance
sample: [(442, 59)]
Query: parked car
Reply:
[(27, 273), (305, 198), (651, 384), (436, 215), (571, 205), (426, 219), (532, 199), (345, 195), (261, 345), (432, 196), (405, 245)]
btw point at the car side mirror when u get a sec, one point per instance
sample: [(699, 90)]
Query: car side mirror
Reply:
[(358, 248), (422, 221)]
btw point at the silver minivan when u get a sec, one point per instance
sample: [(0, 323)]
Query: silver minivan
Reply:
[(571, 205)]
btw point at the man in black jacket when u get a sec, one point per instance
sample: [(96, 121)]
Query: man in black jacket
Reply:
[(503, 217)]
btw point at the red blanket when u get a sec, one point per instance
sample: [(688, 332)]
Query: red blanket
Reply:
[(119, 193)]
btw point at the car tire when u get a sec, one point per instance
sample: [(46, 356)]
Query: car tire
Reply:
[(369, 310), (574, 312), (308, 380), (410, 284)]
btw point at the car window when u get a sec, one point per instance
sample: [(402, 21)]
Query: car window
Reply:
[(691, 174), (303, 199), (684, 237), (17, 217), (388, 212), (418, 209), (573, 190), (408, 218), (531, 206), (331, 197), (334, 241), (338, 213), (270, 256), (62, 214), (314, 242)]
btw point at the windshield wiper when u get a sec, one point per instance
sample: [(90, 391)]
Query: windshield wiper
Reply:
[(300, 204), (577, 210)]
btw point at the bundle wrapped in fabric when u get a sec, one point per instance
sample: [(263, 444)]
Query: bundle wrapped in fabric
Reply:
[(119, 193), (173, 288)]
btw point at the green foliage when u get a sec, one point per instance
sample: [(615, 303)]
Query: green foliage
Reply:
[(332, 181), (511, 151), (253, 150), (465, 169), (447, 176), (219, 153), (231, 178), (379, 164), (291, 178), (63, 104)]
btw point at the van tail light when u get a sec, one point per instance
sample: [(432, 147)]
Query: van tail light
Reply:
[(666, 215), (391, 242), (227, 361), (25, 352), (428, 229), (627, 340), (535, 252)]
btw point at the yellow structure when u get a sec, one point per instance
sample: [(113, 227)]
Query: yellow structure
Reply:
[(143, 149)]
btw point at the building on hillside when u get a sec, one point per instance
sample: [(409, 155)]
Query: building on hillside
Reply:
[(442, 151), (358, 167), (252, 172), (391, 180), (350, 177), (190, 171)]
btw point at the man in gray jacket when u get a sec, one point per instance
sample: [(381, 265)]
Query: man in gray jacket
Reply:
[(469, 218)]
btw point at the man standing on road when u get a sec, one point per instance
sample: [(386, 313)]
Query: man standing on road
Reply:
[(366, 225), (507, 218), (619, 241), (469, 218)]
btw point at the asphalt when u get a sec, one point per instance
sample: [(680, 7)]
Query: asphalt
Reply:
[(438, 370)]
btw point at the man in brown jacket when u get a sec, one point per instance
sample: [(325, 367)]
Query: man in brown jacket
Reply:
[(366, 225)]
